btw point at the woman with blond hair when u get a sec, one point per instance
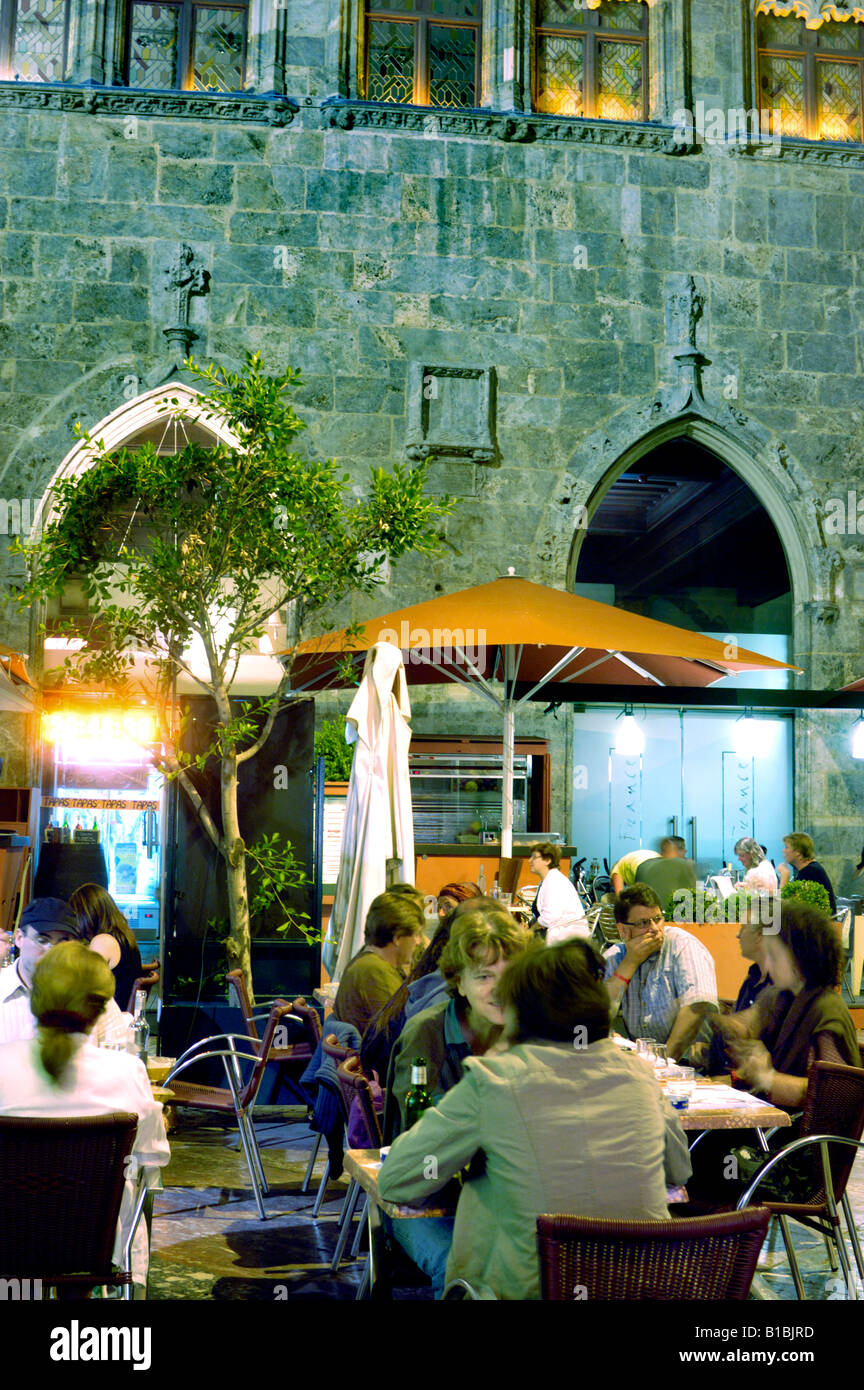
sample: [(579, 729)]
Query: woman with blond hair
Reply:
[(467, 1023), (59, 1073), (107, 932)]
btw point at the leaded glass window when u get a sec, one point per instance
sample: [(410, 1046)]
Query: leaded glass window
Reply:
[(423, 52), (196, 47), (591, 62), (34, 38), (814, 77)]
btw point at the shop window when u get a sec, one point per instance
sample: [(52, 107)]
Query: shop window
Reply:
[(186, 45), (591, 62), (34, 40), (423, 52), (814, 77)]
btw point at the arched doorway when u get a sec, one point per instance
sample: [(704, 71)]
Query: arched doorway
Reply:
[(675, 533)]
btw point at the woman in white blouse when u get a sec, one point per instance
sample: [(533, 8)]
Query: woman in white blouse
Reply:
[(761, 875), (56, 1074)]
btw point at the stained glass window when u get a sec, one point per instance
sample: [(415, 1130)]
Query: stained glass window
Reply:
[(196, 47), (820, 97), (591, 62), (427, 56), (34, 38)]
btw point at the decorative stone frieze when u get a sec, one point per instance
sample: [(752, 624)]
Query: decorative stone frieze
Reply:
[(514, 127), (113, 101)]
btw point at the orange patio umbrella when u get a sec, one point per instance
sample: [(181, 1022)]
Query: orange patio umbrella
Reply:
[(494, 635)]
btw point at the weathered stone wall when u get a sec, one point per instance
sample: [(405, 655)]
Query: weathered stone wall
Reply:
[(554, 266)]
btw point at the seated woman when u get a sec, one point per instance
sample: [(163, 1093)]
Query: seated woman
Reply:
[(802, 1019), (565, 1120), (59, 1073), (424, 986), (107, 932), (468, 1020), (760, 874), (798, 1020), (713, 1056)]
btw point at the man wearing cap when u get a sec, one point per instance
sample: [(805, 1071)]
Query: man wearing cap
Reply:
[(45, 922)]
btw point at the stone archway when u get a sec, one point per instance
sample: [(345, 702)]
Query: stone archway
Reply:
[(763, 462), (130, 420)]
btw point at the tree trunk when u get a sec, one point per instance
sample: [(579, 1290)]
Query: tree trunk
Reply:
[(239, 939)]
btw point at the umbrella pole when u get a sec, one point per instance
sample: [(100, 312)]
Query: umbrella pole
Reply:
[(507, 779)]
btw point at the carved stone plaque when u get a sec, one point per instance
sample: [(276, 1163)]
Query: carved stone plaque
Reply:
[(451, 412)]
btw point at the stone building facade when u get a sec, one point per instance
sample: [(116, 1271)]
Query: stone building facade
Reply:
[(569, 291)]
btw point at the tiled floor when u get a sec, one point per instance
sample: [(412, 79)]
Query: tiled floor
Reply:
[(208, 1242)]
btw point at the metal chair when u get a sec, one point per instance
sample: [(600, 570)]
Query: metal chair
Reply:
[(291, 1057), (833, 1115), (337, 1054), (704, 1257), (63, 1181), (238, 1097), (355, 1089)]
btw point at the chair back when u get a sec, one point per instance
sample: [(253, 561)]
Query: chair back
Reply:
[(354, 1086), (236, 982), (248, 1092), (702, 1257), (834, 1104), (145, 982), (665, 876), (62, 1187), (310, 1020), (509, 871)]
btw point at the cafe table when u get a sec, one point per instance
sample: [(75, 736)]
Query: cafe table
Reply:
[(713, 1105)]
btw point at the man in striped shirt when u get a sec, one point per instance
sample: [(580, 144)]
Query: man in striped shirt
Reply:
[(45, 922), (661, 978)]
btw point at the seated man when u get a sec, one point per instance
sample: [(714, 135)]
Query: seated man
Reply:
[(393, 931), (557, 905), (661, 978), (45, 922)]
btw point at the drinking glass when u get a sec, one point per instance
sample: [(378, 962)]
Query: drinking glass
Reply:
[(661, 1058), (645, 1048)]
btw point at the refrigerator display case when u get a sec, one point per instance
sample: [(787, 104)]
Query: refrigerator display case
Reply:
[(100, 788)]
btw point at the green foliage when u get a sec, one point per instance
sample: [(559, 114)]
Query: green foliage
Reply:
[(275, 873), (331, 746), (806, 891)]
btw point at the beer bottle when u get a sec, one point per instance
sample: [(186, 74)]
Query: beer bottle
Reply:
[(418, 1098)]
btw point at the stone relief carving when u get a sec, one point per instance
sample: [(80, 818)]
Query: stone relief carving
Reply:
[(184, 281), (451, 413)]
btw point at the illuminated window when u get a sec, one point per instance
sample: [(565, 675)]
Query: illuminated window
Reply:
[(423, 52), (591, 62), (34, 39), (814, 77), (196, 47)]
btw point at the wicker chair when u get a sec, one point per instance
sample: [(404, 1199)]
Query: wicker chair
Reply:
[(147, 981), (706, 1257), (238, 1097), (63, 1184), (832, 1123)]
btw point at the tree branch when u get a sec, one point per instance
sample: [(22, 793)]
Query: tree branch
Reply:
[(275, 705)]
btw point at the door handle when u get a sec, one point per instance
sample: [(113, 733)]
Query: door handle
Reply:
[(693, 854), (673, 822)]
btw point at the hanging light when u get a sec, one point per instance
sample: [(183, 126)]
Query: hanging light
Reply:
[(629, 738), (858, 737), (747, 735)]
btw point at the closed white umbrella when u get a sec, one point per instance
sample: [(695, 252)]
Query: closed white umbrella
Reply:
[(378, 825)]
